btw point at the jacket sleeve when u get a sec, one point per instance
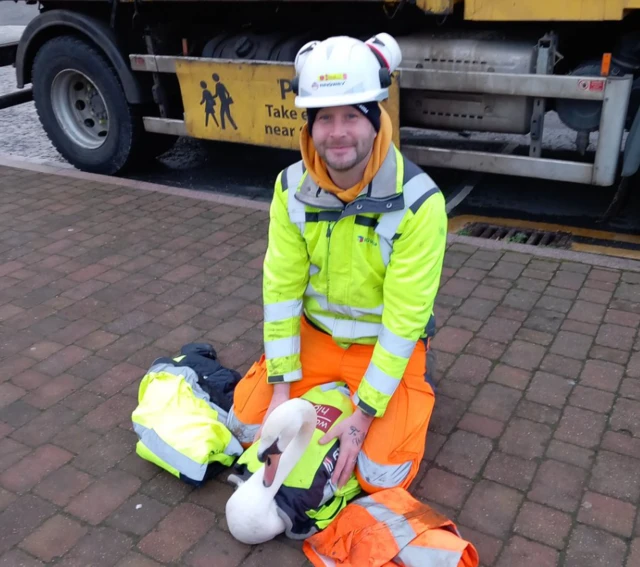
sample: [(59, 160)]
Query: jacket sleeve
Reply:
[(410, 287), (285, 277)]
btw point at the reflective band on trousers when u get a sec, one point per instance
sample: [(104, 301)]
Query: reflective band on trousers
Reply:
[(398, 346), (382, 476), (168, 454), (403, 534), (282, 347), (283, 310), (349, 329), (347, 310)]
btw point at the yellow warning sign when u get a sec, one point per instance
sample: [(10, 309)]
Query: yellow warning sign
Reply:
[(251, 102)]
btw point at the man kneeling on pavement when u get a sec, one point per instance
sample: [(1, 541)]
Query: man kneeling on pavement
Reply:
[(356, 245)]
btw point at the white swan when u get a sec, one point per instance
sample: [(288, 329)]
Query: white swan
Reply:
[(251, 512)]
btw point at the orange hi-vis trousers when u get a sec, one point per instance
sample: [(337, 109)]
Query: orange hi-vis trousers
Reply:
[(395, 444)]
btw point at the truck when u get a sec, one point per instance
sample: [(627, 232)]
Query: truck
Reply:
[(117, 82)]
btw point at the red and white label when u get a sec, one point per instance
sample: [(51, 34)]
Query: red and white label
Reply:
[(326, 416), (596, 85)]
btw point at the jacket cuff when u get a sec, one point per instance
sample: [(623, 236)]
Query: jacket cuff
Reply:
[(288, 377)]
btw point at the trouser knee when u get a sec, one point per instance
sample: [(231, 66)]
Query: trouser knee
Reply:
[(374, 477)]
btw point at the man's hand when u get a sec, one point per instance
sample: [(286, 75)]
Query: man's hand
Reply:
[(351, 432), (279, 396)]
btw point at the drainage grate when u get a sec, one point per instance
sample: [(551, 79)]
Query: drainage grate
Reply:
[(531, 236)]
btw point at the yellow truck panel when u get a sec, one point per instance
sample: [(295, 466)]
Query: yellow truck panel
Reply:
[(547, 10), (249, 102)]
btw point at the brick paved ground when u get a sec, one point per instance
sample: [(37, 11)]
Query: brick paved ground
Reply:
[(534, 447)]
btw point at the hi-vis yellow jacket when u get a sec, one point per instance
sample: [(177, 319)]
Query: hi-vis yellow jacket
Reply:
[(366, 272)]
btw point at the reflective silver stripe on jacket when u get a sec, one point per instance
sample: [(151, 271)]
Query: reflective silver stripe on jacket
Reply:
[(396, 345), (296, 210), (282, 310), (380, 380), (382, 476), (282, 347), (244, 432), (341, 309), (404, 534), (168, 454), (344, 328)]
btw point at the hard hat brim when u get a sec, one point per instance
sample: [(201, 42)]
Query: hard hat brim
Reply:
[(377, 95)]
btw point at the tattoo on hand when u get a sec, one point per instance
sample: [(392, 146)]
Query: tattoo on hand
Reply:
[(358, 436)]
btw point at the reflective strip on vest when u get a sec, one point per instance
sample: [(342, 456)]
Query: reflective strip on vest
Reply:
[(396, 345), (346, 329), (280, 348), (282, 311), (244, 432), (382, 476), (296, 209), (341, 309), (404, 534), (168, 454), (415, 556)]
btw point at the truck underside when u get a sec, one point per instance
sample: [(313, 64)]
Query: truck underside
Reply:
[(444, 79)]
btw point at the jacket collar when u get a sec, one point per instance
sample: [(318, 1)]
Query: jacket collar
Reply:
[(383, 195)]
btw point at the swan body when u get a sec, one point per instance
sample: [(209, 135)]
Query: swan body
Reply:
[(251, 511)]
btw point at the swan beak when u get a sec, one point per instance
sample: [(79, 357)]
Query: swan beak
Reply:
[(270, 469)]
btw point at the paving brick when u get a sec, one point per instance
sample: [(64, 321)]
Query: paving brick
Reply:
[(53, 391), (116, 379), (138, 515), (624, 318), (510, 376), (591, 399), (20, 518), (459, 287), (554, 303), (491, 508), (543, 524), (496, 401), (570, 280), (477, 308), (571, 454), (525, 438), (621, 443), (62, 485), (626, 417), (616, 475), (114, 411), (607, 513), (446, 414), (54, 538), (481, 425), (464, 453), (9, 393), (589, 546), (101, 547), (75, 439), (30, 379), (183, 527), (470, 369), (521, 299), (634, 554), (488, 547), (615, 336), (561, 366), (533, 336), (602, 375), (520, 551), (137, 560), (34, 467), (42, 428), (609, 354), (571, 345), (43, 350), (509, 470), (11, 452), (499, 329), (630, 388), (548, 389), (97, 340), (103, 456), (580, 327), (587, 312), (506, 270), (558, 485), (102, 497), (456, 390), (62, 360), (523, 355), (510, 313), (581, 427), (461, 322), (167, 489), (6, 498), (17, 558), (227, 551), (445, 488), (488, 292)]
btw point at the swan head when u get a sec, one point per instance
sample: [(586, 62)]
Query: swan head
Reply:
[(279, 430)]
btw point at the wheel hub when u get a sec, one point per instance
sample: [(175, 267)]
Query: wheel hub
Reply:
[(80, 109)]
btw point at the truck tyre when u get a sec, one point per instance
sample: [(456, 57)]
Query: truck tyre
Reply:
[(83, 108)]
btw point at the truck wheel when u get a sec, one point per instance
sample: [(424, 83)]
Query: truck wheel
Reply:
[(83, 108)]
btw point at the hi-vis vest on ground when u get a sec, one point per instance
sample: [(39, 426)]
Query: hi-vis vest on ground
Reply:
[(179, 428), (390, 528), (307, 501), (365, 272)]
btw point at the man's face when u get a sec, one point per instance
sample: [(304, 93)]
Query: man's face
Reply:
[(342, 136)]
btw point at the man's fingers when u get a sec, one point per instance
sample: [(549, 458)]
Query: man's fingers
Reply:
[(329, 436), (347, 470)]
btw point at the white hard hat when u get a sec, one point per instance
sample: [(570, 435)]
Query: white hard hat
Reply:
[(344, 71)]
